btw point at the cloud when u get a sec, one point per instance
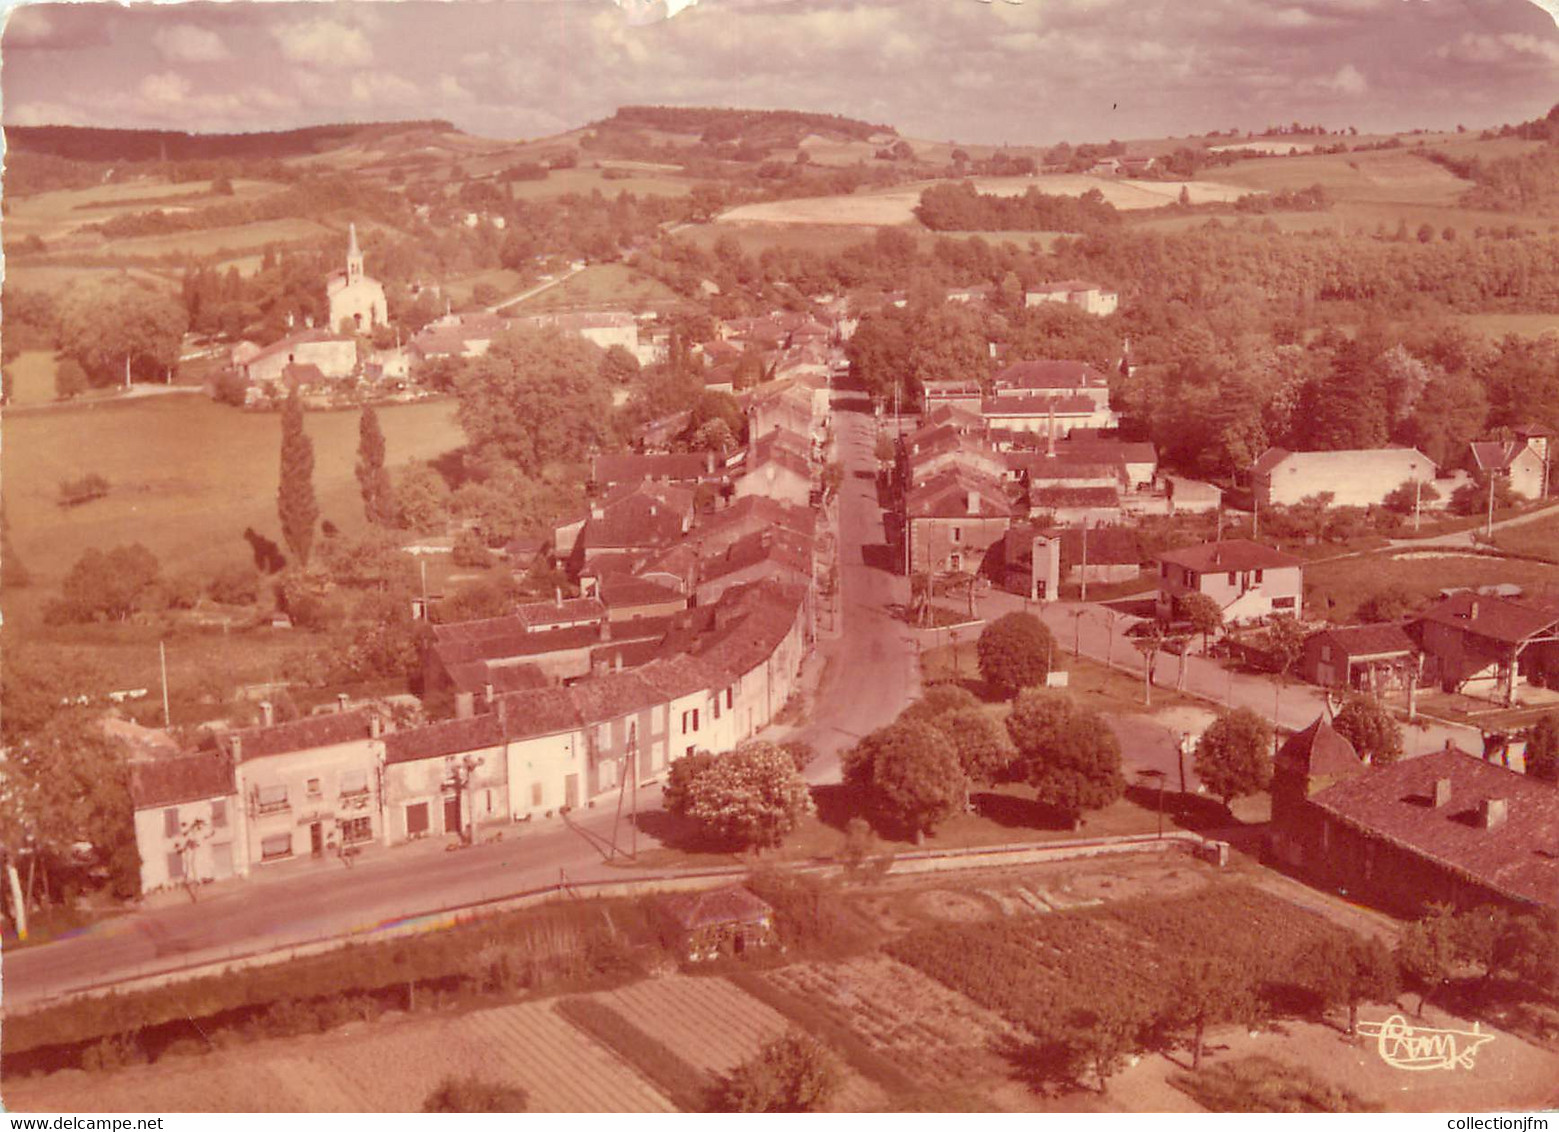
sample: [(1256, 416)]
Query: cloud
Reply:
[(1348, 80), (186, 43), (324, 43), (1509, 48), (168, 88), (54, 28), (46, 114), (381, 88)]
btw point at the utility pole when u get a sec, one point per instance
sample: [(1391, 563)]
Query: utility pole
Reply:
[(1418, 496), (127, 371), (162, 656), (1488, 530), (1083, 573)]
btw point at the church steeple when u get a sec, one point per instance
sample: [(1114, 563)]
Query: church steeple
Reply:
[(354, 256)]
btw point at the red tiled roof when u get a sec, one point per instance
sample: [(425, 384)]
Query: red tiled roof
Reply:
[(673, 466), (618, 590), (682, 675), (1369, 640), (541, 614), (1497, 618), (188, 777), (1030, 405), (1038, 466), (1230, 554), (436, 740), (1319, 749), (300, 735), (542, 711), (1268, 460), (1496, 455), (732, 905), (1050, 375), (945, 496), (611, 695), (1519, 858)]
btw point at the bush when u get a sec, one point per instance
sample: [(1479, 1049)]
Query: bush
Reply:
[(1015, 652), (470, 551), (472, 1094), (790, 1074)]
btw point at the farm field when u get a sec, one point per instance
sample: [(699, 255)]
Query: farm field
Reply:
[(507, 282), (1521, 325), (389, 1066), (1335, 590), (642, 183), (1379, 175), (187, 476), (602, 285), (713, 1025), (52, 215), (56, 278), (214, 241), (896, 205)]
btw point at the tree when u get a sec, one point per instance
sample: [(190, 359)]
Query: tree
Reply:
[(1015, 652), (103, 328), (1098, 1038), (618, 365), (1234, 755), (982, 745), (1427, 951), (675, 796), (296, 506), (1208, 989), (937, 701), (1204, 614), (911, 774), (421, 499), (107, 586), (792, 1073), (536, 397), (1349, 970), (1068, 754), (1373, 731), (69, 379), (373, 480), (472, 1094), (751, 797), (1542, 753)]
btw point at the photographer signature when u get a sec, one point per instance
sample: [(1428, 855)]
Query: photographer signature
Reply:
[(1405, 1046)]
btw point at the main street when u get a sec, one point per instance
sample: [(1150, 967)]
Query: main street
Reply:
[(869, 674)]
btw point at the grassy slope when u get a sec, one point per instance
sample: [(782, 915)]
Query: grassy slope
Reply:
[(1349, 581), (602, 285), (188, 476)]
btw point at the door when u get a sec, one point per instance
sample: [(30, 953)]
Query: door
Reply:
[(317, 838), (222, 860), (452, 814), (571, 791)]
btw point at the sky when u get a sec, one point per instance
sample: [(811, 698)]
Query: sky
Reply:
[(1017, 71)]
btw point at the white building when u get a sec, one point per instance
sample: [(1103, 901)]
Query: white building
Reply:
[(1090, 298), (356, 300), (1354, 477)]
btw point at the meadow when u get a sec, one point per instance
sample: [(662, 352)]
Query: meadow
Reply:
[(187, 477), (601, 285), (1335, 589)]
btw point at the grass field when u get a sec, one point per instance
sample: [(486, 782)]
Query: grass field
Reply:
[(507, 282), (602, 285), (187, 476), (1541, 536), (215, 241), (1335, 590), (55, 215), (1521, 325), (56, 279), (31, 376), (561, 181)]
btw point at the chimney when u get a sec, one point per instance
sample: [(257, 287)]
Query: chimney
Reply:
[(267, 714), (606, 628), (972, 502), (617, 663), (238, 748), (341, 702), (557, 596), (465, 706), (1472, 610), (1493, 812), (1442, 793), (375, 725)]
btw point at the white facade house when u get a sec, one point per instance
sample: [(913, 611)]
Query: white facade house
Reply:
[(1090, 298), (1353, 477), (188, 826)]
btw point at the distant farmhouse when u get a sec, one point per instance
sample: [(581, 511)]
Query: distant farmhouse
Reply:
[(1522, 463), (1354, 478), (1090, 298)]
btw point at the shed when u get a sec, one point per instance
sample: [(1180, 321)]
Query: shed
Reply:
[(703, 925)]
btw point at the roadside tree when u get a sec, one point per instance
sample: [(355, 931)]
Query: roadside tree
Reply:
[(1234, 755), (1015, 652), (1068, 754), (751, 797), (910, 774), (1373, 731)]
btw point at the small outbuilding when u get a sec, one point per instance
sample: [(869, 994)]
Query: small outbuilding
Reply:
[(705, 925)]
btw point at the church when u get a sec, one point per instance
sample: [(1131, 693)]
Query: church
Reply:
[(356, 301)]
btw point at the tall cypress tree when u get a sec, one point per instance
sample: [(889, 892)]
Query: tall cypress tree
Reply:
[(372, 478), (295, 502)]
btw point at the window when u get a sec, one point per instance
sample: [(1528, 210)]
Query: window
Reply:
[(354, 782), (276, 846), (689, 750), (716, 708), (272, 798), (1283, 603), (684, 721), (1231, 577), (175, 866), (416, 819), (603, 735), (1258, 576), (958, 534), (355, 830), (728, 697), (170, 822), (313, 788), (219, 813), (695, 719)]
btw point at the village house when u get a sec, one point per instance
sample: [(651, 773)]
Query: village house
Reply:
[(929, 452), (724, 921), (610, 470), (356, 300), (774, 553), (966, 395), (604, 328), (1075, 506), (1249, 581), (1522, 462), (188, 825), (1047, 413), (1361, 658), (629, 519), (545, 753), (1445, 827), (954, 519), (1353, 477), (1308, 761), (1090, 298), (309, 787), (776, 469), (467, 335), (1482, 645), (446, 778), (762, 633), (333, 355)]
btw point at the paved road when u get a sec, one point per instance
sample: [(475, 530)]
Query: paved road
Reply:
[(301, 901), (1465, 538), (534, 291), (872, 670)]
